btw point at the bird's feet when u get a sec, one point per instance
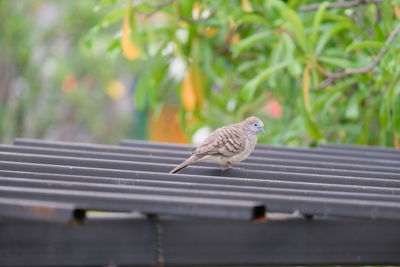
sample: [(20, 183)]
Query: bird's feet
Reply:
[(229, 166)]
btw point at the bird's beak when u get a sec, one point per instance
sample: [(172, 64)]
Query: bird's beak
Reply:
[(262, 129)]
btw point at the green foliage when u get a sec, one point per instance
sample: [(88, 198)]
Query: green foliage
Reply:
[(268, 60), (260, 55)]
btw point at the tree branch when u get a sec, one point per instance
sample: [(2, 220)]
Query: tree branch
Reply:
[(332, 76), (339, 4)]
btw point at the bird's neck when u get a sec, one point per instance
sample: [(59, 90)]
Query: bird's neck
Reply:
[(251, 135), (250, 132)]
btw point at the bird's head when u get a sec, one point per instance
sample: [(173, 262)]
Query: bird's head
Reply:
[(254, 125)]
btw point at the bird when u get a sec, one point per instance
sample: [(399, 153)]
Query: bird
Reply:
[(227, 145)]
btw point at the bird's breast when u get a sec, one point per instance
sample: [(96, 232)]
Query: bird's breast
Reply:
[(249, 145), (248, 148)]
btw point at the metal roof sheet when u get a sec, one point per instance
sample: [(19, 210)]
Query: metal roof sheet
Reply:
[(326, 181)]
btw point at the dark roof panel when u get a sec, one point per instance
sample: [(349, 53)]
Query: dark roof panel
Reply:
[(328, 181)]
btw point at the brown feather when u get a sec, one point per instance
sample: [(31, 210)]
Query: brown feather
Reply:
[(192, 159)]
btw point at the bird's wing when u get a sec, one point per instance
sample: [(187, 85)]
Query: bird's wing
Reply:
[(226, 141)]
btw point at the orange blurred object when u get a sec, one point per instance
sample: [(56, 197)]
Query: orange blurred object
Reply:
[(235, 38), (129, 49), (306, 86), (69, 84), (396, 11), (166, 128), (273, 109), (192, 89)]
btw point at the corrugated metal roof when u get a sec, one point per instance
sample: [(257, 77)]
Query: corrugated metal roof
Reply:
[(352, 193), (322, 181)]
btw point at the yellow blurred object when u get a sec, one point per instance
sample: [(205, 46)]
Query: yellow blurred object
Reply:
[(396, 11), (129, 49), (396, 141), (192, 89), (69, 84), (196, 11), (116, 90), (247, 6), (232, 25), (342, 135), (166, 128), (235, 38), (183, 24), (306, 86), (210, 31)]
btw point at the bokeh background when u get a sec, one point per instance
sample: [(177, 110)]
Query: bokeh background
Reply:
[(173, 70)]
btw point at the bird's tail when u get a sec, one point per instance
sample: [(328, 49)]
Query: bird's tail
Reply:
[(190, 160)]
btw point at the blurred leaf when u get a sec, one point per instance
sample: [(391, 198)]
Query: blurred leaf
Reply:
[(147, 89), (298, 29), (306, 87), (294, 68), (277, 55), (328, 35), (364, 44), (112, 17), (396, 115), (339, 62), (384, 115), (193, 83), (115, 44), (129, 49), (387, 14), (349, 22), (379, 35), (317, 22), (309, 122), (251, 86), (245, 66), (91, 35), (251, 41), (396, 111), (186, 7), (366, 130), (332, 94), (252, 18), (387, 106), (352, 111), (104, 3)]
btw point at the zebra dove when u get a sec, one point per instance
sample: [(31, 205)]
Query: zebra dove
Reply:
[(227, 145)]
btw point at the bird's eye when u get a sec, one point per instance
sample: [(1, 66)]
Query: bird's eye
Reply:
[(255, 124)]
